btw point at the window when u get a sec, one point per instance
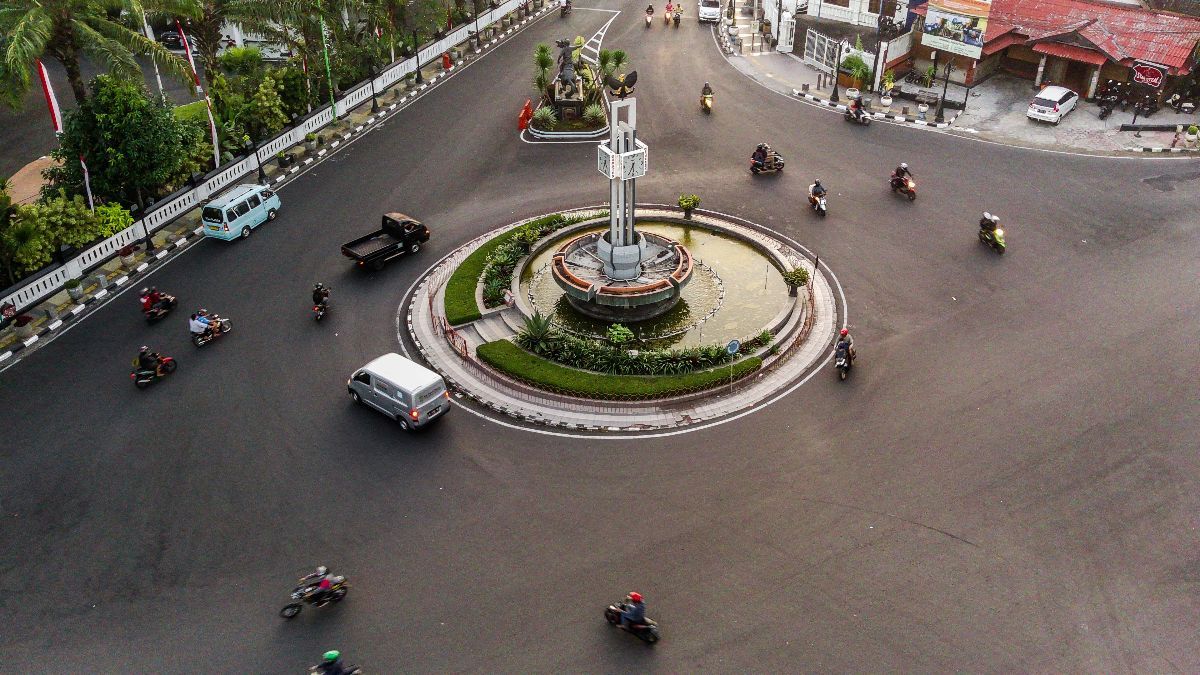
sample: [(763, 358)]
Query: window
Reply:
[(230, 215), (363, 377), (429, 394), (838, 3), (267, 194), (873, 6), (253, 201), (383, 388), (212, 215), (242, 209)]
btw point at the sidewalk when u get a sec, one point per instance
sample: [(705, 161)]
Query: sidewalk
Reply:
[(60, 309)]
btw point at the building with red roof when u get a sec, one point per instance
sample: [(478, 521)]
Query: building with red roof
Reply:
[(1077, 43)]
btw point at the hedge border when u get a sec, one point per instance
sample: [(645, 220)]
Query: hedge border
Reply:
[(544, 374), (460, 289)]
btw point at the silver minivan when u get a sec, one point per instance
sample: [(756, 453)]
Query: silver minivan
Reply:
[(401, 389)]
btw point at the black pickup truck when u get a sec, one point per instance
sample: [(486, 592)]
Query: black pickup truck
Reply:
[(400, 235)]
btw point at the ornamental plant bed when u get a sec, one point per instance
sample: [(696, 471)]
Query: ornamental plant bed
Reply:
[(538, 372)]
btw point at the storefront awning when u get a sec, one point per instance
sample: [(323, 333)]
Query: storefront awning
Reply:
[(1006, 40), (1071, 52)]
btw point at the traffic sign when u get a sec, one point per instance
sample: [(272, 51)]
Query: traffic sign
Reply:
[(733, 347)]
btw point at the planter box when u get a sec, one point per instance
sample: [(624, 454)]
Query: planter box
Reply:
[(23, 332), (76, 293), (128, 262)]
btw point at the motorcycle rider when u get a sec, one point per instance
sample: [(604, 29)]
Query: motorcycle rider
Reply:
[(650, 11), (845, 339), (760, 156), (989, 222), (198, 326), (320, 294), (635, 610), (148, 360), (147, 303), (706, 90), (856, 108), (900, 174), (331, 664), (323, 580), (815, 192)]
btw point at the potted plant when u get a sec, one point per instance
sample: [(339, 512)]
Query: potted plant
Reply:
[(889, 81), (126, 255), (795, 279), (1193, 133), (23, 325), (688, 203), (285, 159), (310, 141), (74, 289)]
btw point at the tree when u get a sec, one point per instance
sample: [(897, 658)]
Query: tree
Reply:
[(133, 144), (542, 63), (265, 111), (65, 30)]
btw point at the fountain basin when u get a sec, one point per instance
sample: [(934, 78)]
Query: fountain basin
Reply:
[(661, 268)]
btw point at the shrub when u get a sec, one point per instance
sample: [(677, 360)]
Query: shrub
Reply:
[(73, 283), (618, 334), (856, 67), (545, 118), (241, 61), (1193, 130), (310, 138), (585, 354), (688, 201), (796, 277), (112, 218), (594, 114), (516, 362)]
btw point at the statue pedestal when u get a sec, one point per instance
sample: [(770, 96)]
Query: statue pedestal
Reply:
[(568, 107), (621, 263)]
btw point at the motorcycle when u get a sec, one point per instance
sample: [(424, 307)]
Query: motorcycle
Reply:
[(145, 378), (649, 18), (1107, 104), (677, 17), (349, 670), (706, 102), (320, 308), (818, 204), (774, 163), (863, 119), (564, 10), (905, 186), (160, 309), (666, 18), (843, 362), (994, 239), (646, 632), (223, 327), (1149, 105), (307, 594)]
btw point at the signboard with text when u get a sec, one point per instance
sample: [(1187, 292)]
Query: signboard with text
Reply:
[(1149, 74), (956, 26)]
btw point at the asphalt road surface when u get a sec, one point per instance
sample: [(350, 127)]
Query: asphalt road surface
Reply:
[(1007, 482)]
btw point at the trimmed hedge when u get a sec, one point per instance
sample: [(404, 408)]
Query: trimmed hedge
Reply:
[(538, 372), (460, 289)]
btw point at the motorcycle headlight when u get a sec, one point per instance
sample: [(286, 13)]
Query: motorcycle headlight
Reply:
[(999, 232)]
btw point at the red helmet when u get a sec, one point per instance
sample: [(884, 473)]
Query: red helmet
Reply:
[(634, 596), (845, 332)]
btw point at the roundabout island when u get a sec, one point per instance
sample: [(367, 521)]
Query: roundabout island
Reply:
[(631, 318)]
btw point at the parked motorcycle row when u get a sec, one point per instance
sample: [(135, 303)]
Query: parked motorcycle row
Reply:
[(1123, 95)]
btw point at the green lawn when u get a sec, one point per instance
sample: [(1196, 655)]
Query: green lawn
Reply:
[(460, 290), (520, 364)]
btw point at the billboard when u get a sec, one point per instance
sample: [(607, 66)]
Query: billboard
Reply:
[(956, 26), (1147, 73)]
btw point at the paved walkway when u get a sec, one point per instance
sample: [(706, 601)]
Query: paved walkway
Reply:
[(795, 357)]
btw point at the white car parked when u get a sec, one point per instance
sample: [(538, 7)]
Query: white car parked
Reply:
[(1052, 104)]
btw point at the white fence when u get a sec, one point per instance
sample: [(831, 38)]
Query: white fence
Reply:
[(820, 51), (166, 212)]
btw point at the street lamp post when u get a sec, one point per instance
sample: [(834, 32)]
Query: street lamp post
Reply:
[(941, 117), (837, 65), (417, 56)]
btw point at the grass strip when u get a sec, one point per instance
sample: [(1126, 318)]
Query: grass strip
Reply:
[(543, 374), (460, 290)]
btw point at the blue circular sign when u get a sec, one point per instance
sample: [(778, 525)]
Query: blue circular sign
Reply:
[(733, 347)]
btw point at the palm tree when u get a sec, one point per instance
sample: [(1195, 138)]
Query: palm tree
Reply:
[(205, 31), (542, 61), (65, 30), (610, 62)]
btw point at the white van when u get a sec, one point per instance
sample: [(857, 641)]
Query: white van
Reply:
[(408, 392)]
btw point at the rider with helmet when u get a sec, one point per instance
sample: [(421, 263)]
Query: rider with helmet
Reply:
[(815, 192), (761, 153), (989, 222), (331, 664), (148, 360), (901, 173), (635, 610), (706, 90), (323, 581), (845, 339), (320, 294)]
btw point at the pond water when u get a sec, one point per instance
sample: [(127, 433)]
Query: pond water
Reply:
[(735, 291)]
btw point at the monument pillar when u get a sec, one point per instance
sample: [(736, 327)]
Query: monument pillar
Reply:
[(623, 160)]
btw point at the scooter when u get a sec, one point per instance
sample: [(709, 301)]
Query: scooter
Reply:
[(145, 378), (305, 594), (649, 18), (843, 362), (223, 327), (666, 18), (320, 308), (161, 309), (774, 163), (863, 119), (1106, 105), (818, 204), (564, 10), (646, 632), (706, 102), (994, 239), (677, 17), (905, 186)]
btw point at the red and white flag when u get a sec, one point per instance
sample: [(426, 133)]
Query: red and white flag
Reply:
[(51, 99), (212, 123), (87, 183)]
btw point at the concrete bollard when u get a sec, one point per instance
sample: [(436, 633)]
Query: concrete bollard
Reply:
[(804, 87)]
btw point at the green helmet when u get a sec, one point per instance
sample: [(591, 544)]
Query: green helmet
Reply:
[(332, 655)]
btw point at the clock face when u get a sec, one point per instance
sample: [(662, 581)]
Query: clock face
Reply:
[(605, 161), (633, 164)]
